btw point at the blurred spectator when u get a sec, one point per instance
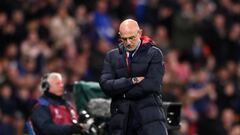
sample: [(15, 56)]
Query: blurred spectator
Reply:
[(24, 103), (102, 21), (205, 9), (202, 92), (234, 42), (97, 58), (161, 38), (190, 117), (19, 124), (235, 130), (228, 118), (216, 38), (62, 26), (184, 28), (7, 104), (18, 20), (179, 70), (151, 9), (8, 108), (197, 53)]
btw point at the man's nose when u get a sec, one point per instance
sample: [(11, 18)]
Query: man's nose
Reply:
[(61, 85), (128, 41)]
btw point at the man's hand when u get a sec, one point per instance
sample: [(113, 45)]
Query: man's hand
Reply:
[(136, 80), (76, 128), (140, 78)]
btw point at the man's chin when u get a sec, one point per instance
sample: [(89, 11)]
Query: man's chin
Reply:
[(60, 94), (132, 49)]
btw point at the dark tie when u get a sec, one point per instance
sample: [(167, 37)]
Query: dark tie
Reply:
[(130, 57)]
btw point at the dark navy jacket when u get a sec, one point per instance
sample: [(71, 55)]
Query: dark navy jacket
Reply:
[(143, 97), (52, 115)]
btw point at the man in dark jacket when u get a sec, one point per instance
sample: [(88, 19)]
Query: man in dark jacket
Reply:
[(53, 115), (132, 76)]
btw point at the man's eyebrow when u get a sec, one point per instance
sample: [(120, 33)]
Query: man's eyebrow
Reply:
[(128, 37)]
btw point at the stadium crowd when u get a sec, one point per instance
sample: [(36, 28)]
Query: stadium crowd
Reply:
[(200, 40)]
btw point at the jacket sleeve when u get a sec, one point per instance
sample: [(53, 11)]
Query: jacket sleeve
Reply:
[(41, 121), (111, 85), (153, 78)]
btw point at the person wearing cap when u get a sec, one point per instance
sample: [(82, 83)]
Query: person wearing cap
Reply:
[(132, 76)]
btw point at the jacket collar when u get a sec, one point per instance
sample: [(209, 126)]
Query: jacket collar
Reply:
[(144, 41), (54, 97)]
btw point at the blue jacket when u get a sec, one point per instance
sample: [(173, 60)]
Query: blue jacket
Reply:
[(144, 97)]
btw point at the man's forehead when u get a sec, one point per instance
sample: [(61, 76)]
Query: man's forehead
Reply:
[(54, 77), (127, 34)]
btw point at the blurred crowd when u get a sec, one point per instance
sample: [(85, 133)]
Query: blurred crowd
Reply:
[(200, 40)]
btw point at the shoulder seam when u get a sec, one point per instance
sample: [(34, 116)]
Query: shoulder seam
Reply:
[(158, 49), (116, 49)]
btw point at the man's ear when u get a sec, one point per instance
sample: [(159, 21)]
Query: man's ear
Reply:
[(119, 34), (140, 32)]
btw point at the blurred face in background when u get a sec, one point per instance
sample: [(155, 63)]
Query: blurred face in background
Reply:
[(62, 12), (102, 6), (130, 34), (3, 19), (81, 14), (223, 74), (6, 92), (11, 51), (18, 16), (202, 76), (234, 33), (103, 46), (24, 94), (228, 118), (229, 89), (235, 130), (219, 21)]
